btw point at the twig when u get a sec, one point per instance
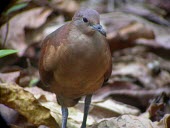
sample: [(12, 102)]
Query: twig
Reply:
[(6, 34)]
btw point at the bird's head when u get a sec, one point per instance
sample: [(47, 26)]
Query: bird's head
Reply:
[(88, 21)]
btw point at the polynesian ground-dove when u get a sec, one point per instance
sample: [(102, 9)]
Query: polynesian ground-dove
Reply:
[(75, 61)]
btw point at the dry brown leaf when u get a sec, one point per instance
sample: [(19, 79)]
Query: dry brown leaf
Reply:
[(165, 122), (38, 93), (24, 102), (159, 106), (137, 64), (75, 115), (16, 35), (125, 36), (10, 77), (148, 12), (116, 108), (137, 98), (68, 10), (130, 121), (118, 20)]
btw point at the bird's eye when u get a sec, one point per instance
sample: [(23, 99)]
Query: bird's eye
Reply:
[(85, 19)]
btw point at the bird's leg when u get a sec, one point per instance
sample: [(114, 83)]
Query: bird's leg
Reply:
[(86, 109), (64, 116)]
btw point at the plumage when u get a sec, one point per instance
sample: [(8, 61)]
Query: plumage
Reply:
[(75, 59)]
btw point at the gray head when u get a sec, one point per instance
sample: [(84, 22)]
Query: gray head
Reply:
[(88, 21)]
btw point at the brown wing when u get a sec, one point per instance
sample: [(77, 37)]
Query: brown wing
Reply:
[(47, 61)]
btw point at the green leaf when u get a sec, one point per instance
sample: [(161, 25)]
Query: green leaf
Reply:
[(33, 82), (16, 7), (7, 52)]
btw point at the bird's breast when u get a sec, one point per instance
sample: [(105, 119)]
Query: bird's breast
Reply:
[(81, 65)]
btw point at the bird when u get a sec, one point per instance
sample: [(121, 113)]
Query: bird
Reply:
[(75, 61)]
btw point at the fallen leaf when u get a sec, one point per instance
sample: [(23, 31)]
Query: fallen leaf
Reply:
[(159, 107), (125, 36), (110, 108), (130, 121), (33, 18), (75, 115), (24, 102), (9, 77)]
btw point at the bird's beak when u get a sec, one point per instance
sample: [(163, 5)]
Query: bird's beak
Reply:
[(99, 28)]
